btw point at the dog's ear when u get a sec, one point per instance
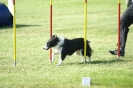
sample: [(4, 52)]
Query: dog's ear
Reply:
[(54, 36)]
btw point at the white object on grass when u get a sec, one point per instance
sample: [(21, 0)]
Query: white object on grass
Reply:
[(86, 81)]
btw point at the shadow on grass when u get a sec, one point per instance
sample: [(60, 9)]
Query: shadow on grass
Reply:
[(106, 62), (24, 25), (100, 62), (18, 26)]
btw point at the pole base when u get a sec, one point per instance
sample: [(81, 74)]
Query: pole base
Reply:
[(15, 63)]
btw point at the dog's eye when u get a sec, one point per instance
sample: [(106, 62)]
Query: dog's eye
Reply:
[(48, 44)]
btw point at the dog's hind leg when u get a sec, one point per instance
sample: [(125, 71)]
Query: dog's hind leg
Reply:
[(84, 59), (82, 54), (89, 56), (89, 59), (89, 52)]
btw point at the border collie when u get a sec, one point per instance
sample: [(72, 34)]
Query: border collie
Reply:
[(66, 47)]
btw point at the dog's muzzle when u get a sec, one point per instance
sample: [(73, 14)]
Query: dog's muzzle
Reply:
[(45, 47)]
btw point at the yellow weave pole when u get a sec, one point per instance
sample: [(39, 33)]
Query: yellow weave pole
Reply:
[(14, 31), (85, 27), (50, 2)]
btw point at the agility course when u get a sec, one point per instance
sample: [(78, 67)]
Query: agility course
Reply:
[(85, 26), (33, 69)]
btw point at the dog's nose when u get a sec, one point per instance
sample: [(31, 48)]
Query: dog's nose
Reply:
[(45, 47)]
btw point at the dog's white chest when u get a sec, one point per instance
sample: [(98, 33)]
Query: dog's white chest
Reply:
[(57, 48)]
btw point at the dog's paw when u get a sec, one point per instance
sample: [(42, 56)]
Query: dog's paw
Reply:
[(89, 59), (58, 64), (83, 60), (52, 60)]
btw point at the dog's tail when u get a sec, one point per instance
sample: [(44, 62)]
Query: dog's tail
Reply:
[(88, 41), (89, 46)]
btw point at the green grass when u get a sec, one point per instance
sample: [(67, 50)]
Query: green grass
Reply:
[(34, 69)]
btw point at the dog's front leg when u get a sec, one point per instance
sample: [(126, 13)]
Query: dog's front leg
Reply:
[(60, 62), (53, 55), (62, 57)]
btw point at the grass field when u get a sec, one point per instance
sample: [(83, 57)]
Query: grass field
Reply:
[(34, 69)]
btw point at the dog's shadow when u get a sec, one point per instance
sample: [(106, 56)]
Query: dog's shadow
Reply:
[(106, 62), (99, 62)]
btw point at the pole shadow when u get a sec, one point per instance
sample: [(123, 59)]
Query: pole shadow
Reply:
[(18, 26)]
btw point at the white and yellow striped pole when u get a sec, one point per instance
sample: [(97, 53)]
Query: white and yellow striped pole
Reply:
[(85, 27), (14, 31), (119, 6)]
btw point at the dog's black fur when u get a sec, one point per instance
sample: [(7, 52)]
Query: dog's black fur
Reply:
[(66, 47)]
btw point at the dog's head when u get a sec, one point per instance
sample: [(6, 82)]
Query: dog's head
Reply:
[(53, 41)]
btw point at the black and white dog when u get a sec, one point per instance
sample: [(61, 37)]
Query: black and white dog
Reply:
[(65, 47)]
